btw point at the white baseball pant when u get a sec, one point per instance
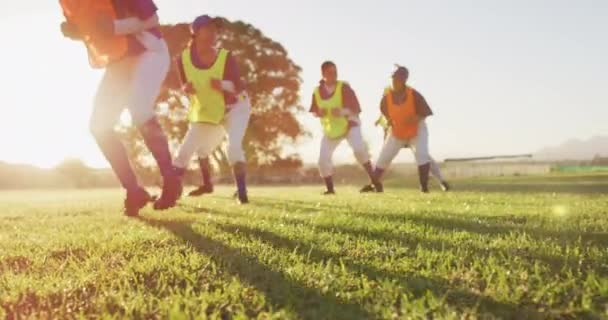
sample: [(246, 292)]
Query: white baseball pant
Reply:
[(133, 83), (419, 146), (328, 146), (204, 138)]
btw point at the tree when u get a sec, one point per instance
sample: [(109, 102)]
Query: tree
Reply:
[(273, 82), (77, 172)]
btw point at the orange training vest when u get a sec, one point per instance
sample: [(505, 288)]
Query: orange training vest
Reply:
[(84, 14), (402, 114)]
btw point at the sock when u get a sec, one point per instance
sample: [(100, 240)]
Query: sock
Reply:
[(370, 171), (179, 172), (157, 143), (436, 171), (378, 173), (423, 174), (329, 183), (114, 151), (239, 172), (203, 164)]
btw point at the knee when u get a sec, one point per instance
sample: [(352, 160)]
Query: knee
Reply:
[(324, 160), (235, 153), (141, 116), (361, 154), (99, 129), (423, 159)]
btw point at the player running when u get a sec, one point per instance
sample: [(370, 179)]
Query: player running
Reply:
[(219, 105), (406, 111), (123, 37)]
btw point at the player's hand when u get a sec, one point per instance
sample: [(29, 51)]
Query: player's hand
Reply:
[(70, 31), (336, 112), (105, 25), (321, 113), (188, 88), (216, 84)]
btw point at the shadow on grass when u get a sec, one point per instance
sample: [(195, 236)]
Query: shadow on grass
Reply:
[(482, 225), (556, 263), (457, 297), (282, 292), (485, 226), (305, 206), (188, 208), (511, 224), (562, 184), (534, 187)]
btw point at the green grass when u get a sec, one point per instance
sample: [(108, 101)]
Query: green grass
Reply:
[(522, 248)]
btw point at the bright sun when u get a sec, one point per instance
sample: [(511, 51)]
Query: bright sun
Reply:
[(47, 94)]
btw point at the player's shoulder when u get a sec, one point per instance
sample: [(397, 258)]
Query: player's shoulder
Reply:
[(416, 93), (345, 85), (387, 91)]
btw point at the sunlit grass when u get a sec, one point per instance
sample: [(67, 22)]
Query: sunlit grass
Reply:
[(292, 253)]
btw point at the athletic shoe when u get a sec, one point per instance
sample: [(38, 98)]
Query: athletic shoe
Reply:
[(135, 201), (445, 186), (172, 191), (242, 198), (367, 189), (376, 187), (379, 187), (204, 189)]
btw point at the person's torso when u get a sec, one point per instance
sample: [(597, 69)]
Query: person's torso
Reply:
[(401, 110), (208, 104), (333, 126)]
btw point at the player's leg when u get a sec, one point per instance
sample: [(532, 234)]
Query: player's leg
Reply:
[(237, 121), (420, 148), (326, 168), (356, 142), (150, 70), (204, 166), (436, 172), (389, 151), (110, 100), (201, 137)]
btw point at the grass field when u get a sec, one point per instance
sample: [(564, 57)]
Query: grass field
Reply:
[(513, 248)]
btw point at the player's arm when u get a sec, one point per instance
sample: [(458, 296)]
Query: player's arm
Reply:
[(186, 86), (384, 110), (132, 25), (70, 31), (351, 103), (145, 18), (232, 82), (422, 107)]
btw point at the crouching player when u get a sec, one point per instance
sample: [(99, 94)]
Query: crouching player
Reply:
[(406, 111)]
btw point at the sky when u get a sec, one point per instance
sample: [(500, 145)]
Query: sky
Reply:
[(502, 77)]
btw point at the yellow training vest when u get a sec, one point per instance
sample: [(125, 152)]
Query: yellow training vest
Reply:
[(207, 105), (333, 127), (382, 122)]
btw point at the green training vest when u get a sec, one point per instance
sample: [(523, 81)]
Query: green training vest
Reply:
[(207, 105), (333, 127)]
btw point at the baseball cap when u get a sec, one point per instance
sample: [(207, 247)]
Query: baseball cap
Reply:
[(201, 22)]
